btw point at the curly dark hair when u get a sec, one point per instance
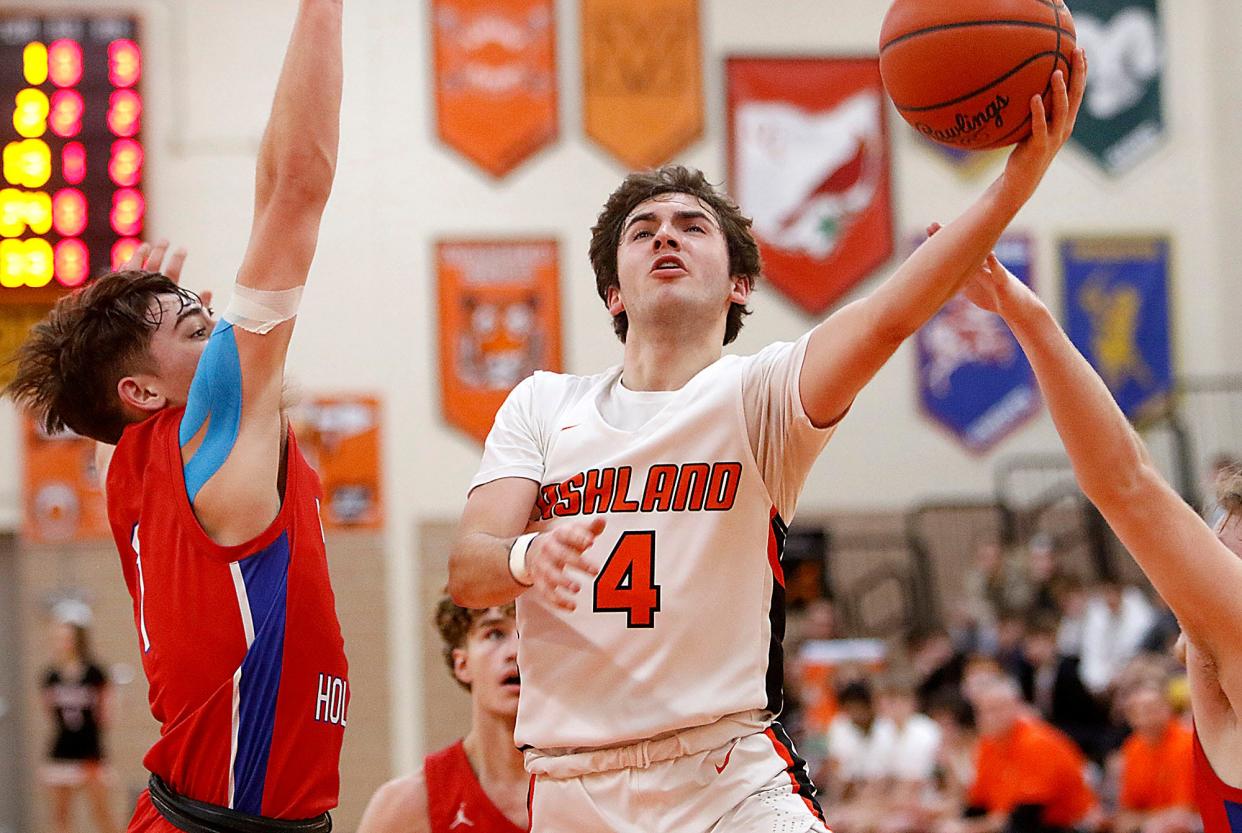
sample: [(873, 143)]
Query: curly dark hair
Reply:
[(70, 364), (639, 187), (454, 623)]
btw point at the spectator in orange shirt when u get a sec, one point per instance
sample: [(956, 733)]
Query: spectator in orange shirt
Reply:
[(1157, 776), (1029, 777)]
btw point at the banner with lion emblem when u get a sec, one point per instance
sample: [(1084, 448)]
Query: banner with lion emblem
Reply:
[(809, 161), (1120, 122), (1117, 315), (500, 321)]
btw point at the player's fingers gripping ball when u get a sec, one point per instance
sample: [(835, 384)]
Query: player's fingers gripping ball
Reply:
[(963, 72)]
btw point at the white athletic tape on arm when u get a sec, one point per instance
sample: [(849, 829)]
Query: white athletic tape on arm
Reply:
[(517, 559), (261, 310)]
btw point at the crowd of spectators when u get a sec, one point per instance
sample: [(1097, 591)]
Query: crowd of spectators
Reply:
[(1045, 703)]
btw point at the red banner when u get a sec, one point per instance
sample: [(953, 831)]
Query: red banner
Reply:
[(643, 78), (62, 495), (500, 320), (495, 66), (340, 438), (810, 162)]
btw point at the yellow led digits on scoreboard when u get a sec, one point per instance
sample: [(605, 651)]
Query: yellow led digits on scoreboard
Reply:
[(25, 263), (30, 117), (28, 163), (71, 198), (34, 63), (21, 211)]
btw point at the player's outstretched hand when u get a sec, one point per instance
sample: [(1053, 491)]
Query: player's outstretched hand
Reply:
[(1030, 159), (556, 563), (992, 287), (150, 258)]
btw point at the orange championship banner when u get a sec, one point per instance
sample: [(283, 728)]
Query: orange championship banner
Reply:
[(809, 161), (500, 321), (495, 79), (340, 438), (63, 501), (643, 78)]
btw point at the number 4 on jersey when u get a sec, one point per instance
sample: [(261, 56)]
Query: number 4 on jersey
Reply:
[(626, 584)]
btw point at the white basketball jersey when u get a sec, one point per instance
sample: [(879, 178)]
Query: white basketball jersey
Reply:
[(683, 624)]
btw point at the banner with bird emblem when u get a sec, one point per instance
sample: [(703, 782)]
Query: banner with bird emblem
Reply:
[(1121, 121), (495, 79), (809, 161), (642, 83), (1117, 315), (500, 321)]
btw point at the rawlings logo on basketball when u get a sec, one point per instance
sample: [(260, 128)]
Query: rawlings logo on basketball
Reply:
[(952, 69), (970, 128)]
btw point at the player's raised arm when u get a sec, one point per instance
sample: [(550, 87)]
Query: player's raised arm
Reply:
[(847, 349), (1192, 570), (232, 434)]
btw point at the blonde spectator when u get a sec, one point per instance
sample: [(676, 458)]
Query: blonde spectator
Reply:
[(1157, 777)]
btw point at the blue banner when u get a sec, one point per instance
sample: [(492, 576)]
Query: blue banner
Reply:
[(1117, 315), (974, 379)]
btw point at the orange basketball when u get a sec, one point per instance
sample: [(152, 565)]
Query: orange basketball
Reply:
[(962, 72)]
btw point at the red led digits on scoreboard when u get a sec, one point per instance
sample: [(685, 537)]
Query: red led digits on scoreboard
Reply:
[(124, 63), (73, 163), (64, 62), (123, 250), (125, 166), (128, 208), (124, 112), (72, 262), (65, 117), (69, 212)]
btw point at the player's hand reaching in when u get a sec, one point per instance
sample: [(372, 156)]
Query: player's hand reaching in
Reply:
[(1030, 159), (556, 563), (992, 287), (150, 258)]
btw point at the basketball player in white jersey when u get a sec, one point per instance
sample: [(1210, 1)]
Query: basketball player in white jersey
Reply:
[(645, 508)]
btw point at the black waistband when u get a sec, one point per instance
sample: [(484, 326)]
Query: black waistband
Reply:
[(199, 817)]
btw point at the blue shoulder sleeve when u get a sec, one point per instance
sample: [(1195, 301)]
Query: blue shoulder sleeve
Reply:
[(215, 399)]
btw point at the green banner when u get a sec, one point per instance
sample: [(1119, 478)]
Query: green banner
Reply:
[(1121, 120)]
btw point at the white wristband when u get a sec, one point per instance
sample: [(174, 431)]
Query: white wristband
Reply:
[(517, 559)]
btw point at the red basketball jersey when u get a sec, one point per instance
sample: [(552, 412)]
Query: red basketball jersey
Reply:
[(241, 645), (455, 799), (1220, 805)]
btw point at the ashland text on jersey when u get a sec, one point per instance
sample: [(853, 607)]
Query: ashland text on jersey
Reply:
[(669, 487)]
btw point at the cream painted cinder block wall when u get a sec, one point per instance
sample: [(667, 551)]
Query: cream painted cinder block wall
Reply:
[(368, 320)]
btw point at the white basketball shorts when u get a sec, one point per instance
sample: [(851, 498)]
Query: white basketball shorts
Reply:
[(755, 783)]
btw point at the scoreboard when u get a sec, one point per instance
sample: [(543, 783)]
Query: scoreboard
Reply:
[(71, 109)]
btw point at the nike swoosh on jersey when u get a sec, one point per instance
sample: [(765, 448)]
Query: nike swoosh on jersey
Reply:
[(728, 755)]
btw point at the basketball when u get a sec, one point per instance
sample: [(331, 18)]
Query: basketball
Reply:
[(963, 73)]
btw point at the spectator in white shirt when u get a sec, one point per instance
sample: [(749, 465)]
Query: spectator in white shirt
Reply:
[(1116, 620)]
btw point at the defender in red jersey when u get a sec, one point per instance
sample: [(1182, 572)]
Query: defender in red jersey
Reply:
[(213, 508), (478, 783), (1195, 568)]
